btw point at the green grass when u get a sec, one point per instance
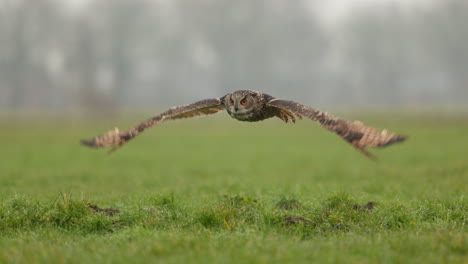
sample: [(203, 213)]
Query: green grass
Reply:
[(218, 190)]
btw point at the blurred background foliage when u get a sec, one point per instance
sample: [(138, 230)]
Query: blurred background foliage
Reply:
[(136, 54)]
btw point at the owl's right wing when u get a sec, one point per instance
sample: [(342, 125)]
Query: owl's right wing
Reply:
[(116, 139), (354, 132)]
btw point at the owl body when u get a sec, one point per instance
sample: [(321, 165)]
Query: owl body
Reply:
[(248, 105)]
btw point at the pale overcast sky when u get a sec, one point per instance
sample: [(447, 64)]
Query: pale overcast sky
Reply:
[(330, 11)]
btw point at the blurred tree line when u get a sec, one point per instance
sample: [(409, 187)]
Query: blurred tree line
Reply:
[(109, 54)]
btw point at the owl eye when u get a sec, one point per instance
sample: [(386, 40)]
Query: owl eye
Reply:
[(243, 102), (231, 102)]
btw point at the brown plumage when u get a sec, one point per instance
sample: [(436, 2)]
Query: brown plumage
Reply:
[(252, 106), (354, 132), (116, 139)]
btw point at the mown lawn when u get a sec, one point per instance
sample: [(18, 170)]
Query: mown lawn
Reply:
[(218, 190)]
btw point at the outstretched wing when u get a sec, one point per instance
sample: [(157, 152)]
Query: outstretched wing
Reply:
[(116, 139), (354, 132)]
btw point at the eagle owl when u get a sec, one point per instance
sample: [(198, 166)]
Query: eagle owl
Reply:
[(252, 106)]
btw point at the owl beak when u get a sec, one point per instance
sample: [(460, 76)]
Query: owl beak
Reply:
[(236, 108)]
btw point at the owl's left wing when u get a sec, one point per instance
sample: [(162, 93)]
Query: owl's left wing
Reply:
[(354, 132), (116, 139)]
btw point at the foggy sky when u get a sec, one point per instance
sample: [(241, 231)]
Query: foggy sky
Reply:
[(111, 54)]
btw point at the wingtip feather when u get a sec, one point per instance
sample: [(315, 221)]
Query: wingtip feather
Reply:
[(395, 139), (88, 142)]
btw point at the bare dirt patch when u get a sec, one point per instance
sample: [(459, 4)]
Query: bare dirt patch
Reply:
[(288, 204), (367, 207), (289, 220), (107, 211)]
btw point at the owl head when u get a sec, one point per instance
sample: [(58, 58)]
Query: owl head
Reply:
[(241, 104)]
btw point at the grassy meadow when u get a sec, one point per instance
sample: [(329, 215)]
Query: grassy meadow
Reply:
[(217, 190)]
